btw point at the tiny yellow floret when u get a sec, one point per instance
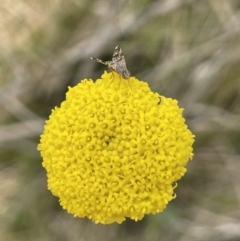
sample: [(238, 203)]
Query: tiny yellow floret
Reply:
[(115, 149)]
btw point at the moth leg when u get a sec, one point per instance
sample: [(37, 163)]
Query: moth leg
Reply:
[(120, 80), (112, 76), (129, 83), (100, 61)]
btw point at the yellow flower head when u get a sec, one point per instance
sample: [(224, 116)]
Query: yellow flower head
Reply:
[(114, 149)]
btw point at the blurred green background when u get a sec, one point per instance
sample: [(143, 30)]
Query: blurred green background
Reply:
[(184, 49)]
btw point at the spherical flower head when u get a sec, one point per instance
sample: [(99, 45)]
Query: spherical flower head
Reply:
[(114, 149)]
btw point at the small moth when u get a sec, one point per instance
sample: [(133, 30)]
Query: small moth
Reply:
[(118, 63)]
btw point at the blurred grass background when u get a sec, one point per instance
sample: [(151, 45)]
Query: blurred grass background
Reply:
[(184, 49)]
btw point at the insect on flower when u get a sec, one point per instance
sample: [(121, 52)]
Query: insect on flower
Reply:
[(118, 63)]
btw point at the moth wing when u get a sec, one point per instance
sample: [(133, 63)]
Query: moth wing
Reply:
[(118, 55)]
